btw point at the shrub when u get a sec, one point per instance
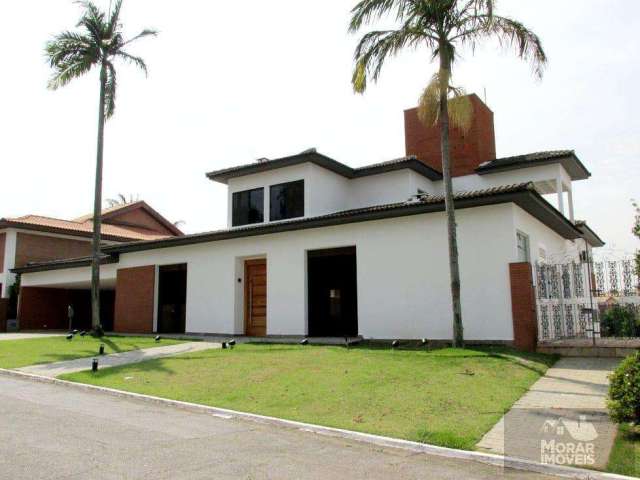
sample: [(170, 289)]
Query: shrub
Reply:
[(620, 321), (624, 391)]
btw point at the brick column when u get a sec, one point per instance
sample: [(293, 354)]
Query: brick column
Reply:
[(523, 306), (135, 289)]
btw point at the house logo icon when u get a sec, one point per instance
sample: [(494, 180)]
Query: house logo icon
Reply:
[(581, 430)]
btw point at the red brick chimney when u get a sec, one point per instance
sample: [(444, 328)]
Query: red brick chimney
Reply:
[(468, 149)]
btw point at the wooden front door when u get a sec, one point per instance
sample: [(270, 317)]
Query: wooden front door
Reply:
[(255, 295)]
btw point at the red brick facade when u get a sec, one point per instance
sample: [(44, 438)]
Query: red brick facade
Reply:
[(468, 149), (134, 308), (140, 219), (43, 308), (41, 248), (523, 306), (3, 239)]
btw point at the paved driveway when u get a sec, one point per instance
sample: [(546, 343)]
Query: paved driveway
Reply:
[(53, 432)]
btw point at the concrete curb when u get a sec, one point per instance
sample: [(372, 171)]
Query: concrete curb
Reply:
[(490, 459)]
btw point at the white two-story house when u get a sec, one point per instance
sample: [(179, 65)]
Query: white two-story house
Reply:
[(314, 247)]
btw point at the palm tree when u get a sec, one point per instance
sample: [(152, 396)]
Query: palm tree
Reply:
[(98, 43), (442, 26)]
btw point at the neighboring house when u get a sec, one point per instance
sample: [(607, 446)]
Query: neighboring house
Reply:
[(36, 239), (315, 247)]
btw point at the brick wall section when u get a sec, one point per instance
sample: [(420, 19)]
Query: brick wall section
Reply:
[(134, 300), (139, 218), (40, 248), (523, 306), (43, 308), (468, 149), (3, 240)]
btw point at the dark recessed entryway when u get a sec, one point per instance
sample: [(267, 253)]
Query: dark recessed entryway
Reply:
[(172, 298), (333, 292)]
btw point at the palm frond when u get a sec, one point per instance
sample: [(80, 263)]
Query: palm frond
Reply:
[(68, 45), (70, 68), (376, 47), (459, 105), (93, 20), (114, 19), (137, 61), (110, 91), (512, 33), (366, 11), (147, 32)]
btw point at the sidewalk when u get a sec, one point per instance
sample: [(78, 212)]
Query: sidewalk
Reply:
[(574, 388), (52, 370), (25, 336)]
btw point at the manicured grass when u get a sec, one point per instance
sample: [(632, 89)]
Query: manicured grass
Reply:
[(20, 353), (446, 397), (625, 456)]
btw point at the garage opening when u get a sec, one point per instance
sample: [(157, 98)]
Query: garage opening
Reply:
[(43, 308), (172, 298), (333, 292)]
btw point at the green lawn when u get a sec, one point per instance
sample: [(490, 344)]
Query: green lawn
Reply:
[(20, 353), (447, 397), (625, 456)]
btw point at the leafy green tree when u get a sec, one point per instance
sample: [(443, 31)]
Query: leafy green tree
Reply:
[(442, 27), (98, 42), (636, 232), (624, 391)]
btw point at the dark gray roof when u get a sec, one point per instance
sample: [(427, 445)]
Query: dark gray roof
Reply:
[(567, 158), (311, 155), (589, 235), (523, 195)]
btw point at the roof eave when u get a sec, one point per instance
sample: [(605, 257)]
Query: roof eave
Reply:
[(589, 235), (64, 264), (571, 163), (60, 231)]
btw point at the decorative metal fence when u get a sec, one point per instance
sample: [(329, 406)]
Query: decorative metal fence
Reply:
[(571, 296), (616, 278)]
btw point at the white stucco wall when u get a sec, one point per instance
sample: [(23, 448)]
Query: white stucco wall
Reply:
[(555, 247), (7, 279), (403, 276), (329, 192)]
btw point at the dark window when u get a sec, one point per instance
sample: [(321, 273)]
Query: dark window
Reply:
[(287, 200), (248, 207)]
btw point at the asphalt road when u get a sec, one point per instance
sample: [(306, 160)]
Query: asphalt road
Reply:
[(55, 432)]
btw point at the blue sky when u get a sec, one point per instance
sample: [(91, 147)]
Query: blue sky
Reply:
[(234, 81)]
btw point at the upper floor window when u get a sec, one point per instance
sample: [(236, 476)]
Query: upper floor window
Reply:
[(248, 207), (286, 200), (523, 247)]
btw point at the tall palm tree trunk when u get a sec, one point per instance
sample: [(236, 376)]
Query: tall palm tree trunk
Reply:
[(97, 210), (454, 268)]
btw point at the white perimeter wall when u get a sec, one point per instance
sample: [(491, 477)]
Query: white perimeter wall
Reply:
[(403, 274)]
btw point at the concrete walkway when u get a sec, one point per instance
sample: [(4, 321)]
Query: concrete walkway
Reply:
[(573, 390), (55, 432), (52, 370), (24, 336)]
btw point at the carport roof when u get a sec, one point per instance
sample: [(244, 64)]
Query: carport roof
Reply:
[(524, 195)]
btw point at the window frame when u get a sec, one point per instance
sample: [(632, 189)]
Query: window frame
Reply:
[(271, 202), (234, 195), (527, 239)]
